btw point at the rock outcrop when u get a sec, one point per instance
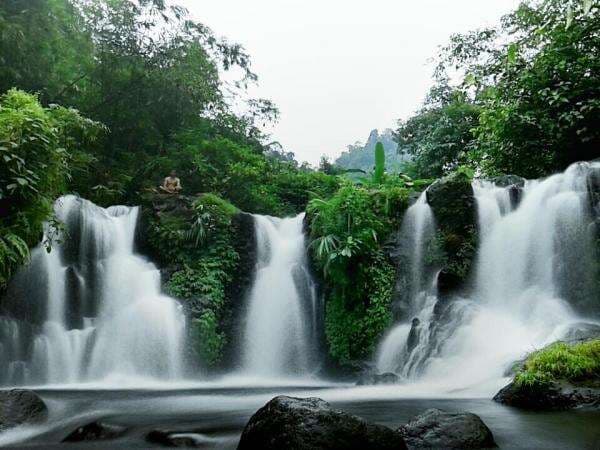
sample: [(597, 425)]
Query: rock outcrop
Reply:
[(448, 430), (311, 424), (550, 396), (453, 204), (20, 407)]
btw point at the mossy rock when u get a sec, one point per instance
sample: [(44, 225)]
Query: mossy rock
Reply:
[(455, 210)]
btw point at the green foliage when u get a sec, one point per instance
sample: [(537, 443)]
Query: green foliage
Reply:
[(38, 147), (145, 69), (348, 232), (13, 253), (440, 136), (353, 325), (528, 102), (209, 340), (379, 163), (193, 239), (248, 178), (560, 361)]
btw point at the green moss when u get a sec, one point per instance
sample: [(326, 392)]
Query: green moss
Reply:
[(217, 205), (453, 204), (560, 361)]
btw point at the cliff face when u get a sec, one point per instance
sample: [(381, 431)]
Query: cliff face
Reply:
[(453, 204)]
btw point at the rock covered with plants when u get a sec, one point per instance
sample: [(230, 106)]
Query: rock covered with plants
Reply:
[(560, 376)]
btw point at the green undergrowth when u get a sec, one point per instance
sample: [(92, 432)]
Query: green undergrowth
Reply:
[(195, 243), (40, 151), (562, 362), (348, 237)]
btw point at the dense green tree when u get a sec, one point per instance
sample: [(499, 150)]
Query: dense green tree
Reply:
[(536, 81), (440, 135), (39, 147), (143, 68)]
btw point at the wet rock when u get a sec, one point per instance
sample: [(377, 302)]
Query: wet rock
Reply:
[(96, 431), (19, 407), (177, 438), (452, 201), (448, 281), (550, 396), (441, 429), (369, 379), (514, 184), (581, 332), (413, 335), (311, 424)]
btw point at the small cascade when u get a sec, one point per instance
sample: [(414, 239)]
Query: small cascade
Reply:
[(418, 227), (535, 282), (90, 309), (283, 318)]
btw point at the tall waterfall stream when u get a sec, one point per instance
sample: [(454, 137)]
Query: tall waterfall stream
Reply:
[(281, 330), (91, 309), (534, 284)]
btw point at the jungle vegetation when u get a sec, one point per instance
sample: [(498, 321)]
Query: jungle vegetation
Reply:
[(103, 98)]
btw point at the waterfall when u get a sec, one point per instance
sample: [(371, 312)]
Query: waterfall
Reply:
[(283, 313), (535, 282), (417, 229), (91, 309)]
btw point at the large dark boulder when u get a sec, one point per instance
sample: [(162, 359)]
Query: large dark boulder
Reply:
[(19, 407), (96, 431), (441, 429), (311, 424), (548, 396)]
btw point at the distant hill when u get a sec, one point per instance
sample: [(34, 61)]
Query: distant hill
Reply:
[(362, 156)]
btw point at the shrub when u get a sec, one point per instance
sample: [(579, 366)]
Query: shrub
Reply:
[(37, 148)]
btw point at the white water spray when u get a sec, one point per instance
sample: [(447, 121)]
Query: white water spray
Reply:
[(100, 311), (418, 227), (281, 322), (535, 275)]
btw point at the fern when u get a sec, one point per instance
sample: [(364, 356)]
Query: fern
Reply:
[(13, 253)]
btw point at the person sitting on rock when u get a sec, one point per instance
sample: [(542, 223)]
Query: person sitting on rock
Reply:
[(171, 184)]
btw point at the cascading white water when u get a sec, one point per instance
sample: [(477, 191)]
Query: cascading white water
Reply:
[(98, 307), (535, 275), (417, 229), (282, 318)]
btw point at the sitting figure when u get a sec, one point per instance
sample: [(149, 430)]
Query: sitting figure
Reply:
[(172, 184)]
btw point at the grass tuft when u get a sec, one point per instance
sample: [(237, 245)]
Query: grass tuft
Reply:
[(560, 361)]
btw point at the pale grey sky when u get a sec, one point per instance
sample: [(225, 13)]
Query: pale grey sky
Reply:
[(339, 68)]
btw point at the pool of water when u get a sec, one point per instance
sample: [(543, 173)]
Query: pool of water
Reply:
[(216, 415)]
